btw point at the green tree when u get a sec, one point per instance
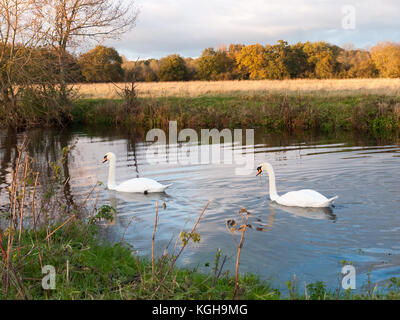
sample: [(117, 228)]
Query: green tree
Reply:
[(299, 65), (281, 61), (215, 65), (173, 68), (102, 64)]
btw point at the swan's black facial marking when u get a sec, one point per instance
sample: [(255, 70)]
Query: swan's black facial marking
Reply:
[(145, 192), (259, 170), (105, 158)]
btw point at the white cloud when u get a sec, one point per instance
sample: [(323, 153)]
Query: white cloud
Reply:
[(188, 26)]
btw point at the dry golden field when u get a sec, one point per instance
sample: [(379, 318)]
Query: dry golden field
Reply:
[(198, 88)]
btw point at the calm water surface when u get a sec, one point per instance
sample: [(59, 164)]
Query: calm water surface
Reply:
[(363, 227)]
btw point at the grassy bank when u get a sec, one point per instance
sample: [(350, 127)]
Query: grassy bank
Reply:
[(89, 268), (367, 113)]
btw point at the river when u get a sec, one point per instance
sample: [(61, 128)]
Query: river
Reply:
[(363, 227)]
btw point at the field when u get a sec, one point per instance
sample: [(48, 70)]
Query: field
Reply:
[(378, 86)]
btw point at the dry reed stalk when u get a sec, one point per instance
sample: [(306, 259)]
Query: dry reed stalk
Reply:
[(67, 275), (17, 196), (59, 227), (293, 288), (243, 228), (305, 291), (34, 218), (152, 242), (13, 223), (83, 204), (138, 267), (182, 248), (21, 215), (126, 228), (3, 251)]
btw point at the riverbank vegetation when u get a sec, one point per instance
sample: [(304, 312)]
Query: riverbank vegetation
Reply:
[(373, 114), (42, 232), (317, 112)]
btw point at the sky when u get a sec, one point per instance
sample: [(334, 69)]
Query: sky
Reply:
[(187, 27)]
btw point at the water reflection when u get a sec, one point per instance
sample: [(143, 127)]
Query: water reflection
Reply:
[(325, 213), (266, 227), (45, 147)]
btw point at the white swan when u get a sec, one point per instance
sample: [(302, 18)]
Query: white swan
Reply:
[(303, 198), (141, 185)]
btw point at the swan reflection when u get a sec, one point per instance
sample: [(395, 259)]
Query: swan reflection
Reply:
[(325, 213)]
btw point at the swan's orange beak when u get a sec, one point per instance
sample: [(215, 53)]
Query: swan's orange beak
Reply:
[(258, 171), (105, 159)]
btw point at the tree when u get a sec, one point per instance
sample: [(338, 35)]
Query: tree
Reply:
[(300, 66), (356, 63), (252, 60), (281, 62), (192, 68), (215, 65), (386, 57), (102, 64), (173, 68), (233, 53), (72, 22), (20, 33), (322, 59)]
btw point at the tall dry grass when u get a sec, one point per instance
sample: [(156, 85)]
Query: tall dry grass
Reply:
[(198, 88)]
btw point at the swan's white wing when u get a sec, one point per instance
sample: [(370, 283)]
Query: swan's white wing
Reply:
[(141, 185), (303, 198)]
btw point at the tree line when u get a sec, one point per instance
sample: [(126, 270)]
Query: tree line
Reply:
[(316, 60)]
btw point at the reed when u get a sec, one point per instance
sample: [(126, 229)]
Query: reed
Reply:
[(233, 227)]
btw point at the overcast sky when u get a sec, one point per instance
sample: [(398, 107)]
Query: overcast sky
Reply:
[(187, 27)]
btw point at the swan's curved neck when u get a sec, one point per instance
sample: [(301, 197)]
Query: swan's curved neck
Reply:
[(272, 185), (111, 175)]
